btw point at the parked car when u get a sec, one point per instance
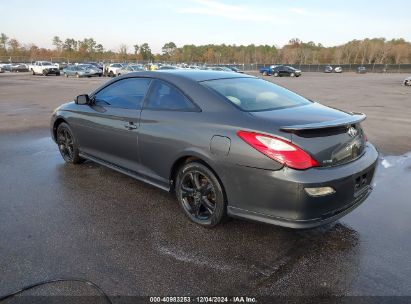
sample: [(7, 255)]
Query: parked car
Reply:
[(284, 70), (130, 69), (407, 81), (77, 71), (19, 67), (95, 64), (219, 68), (361, 70), (44, 68), (167, 67), (338, 69), (6, 67), (330, 69), (113, 69), (268, 71), (240, 146), (94, 71), (234, 69)]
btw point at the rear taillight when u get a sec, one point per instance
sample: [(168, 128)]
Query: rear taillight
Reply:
[(279, 149)]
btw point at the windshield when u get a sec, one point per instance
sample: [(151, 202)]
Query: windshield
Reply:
[(46, 63), (252, 94)]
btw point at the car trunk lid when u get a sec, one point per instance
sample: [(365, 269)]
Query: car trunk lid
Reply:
[(332, 137)]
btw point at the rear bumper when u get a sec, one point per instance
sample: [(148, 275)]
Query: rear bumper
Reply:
[(279, 197)]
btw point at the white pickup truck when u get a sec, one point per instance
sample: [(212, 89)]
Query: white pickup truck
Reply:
[(44, 68), (113, 69)]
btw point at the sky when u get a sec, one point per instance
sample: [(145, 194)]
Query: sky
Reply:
[(156, 22)]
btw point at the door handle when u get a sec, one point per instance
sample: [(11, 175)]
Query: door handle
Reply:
[(130, 126)]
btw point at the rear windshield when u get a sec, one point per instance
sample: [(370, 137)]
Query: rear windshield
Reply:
[(252, 94)]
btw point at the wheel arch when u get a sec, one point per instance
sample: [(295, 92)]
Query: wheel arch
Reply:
[(56, 124), (188, 158)]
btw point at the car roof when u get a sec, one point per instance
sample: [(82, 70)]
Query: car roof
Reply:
[(194, 75)]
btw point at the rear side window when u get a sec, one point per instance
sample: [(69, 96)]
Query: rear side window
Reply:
[(126, 93), (164, 96), (252, 94)]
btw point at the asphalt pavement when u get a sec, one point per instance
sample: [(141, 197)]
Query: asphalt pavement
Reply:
[(87, 221)]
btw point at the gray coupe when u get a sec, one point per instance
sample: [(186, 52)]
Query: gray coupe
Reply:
[(225, 143)]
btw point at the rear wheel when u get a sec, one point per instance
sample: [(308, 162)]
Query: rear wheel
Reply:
[(111, 74), (77, 75), (65, 74), (32, 72), (264, 73), (200, 194), (67, 144), (45, 72)]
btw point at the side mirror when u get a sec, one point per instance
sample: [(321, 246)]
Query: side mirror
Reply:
[(83, 99)]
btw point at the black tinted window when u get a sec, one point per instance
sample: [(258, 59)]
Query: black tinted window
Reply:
[(166, 97), (126, 93)]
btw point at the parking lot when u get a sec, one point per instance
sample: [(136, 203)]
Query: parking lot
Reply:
[(130, 238)]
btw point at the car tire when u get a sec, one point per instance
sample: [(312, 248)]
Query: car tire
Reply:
[(77, 75), (275, 74), (45, 72), (67, 144), (200, 194), (111, 74), (65, 74), (292, 75), (32, 72), (265, 73), (57, 74)]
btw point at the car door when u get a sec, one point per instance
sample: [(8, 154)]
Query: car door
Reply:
[(163, 129), (108, 129)]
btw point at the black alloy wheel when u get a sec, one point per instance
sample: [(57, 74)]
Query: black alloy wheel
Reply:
[(67, 144), (200, 194)]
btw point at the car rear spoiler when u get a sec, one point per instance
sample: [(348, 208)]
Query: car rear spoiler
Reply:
[(350, 120)]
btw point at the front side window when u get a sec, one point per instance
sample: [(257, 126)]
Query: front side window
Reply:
[(252, 94), (164, 96), (126, 93)]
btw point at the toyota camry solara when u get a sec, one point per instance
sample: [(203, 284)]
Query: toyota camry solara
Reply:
[(225, 143)]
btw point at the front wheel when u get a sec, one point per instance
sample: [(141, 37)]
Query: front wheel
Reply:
[(67, 144), (292, 74), (200, 194), (275, 74), (32, 72)]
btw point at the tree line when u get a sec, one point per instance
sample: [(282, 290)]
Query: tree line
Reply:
[(366, 51)]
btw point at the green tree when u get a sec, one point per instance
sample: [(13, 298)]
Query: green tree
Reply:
[(169, 49), (3, 40), (145, 52), (57, 43)]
